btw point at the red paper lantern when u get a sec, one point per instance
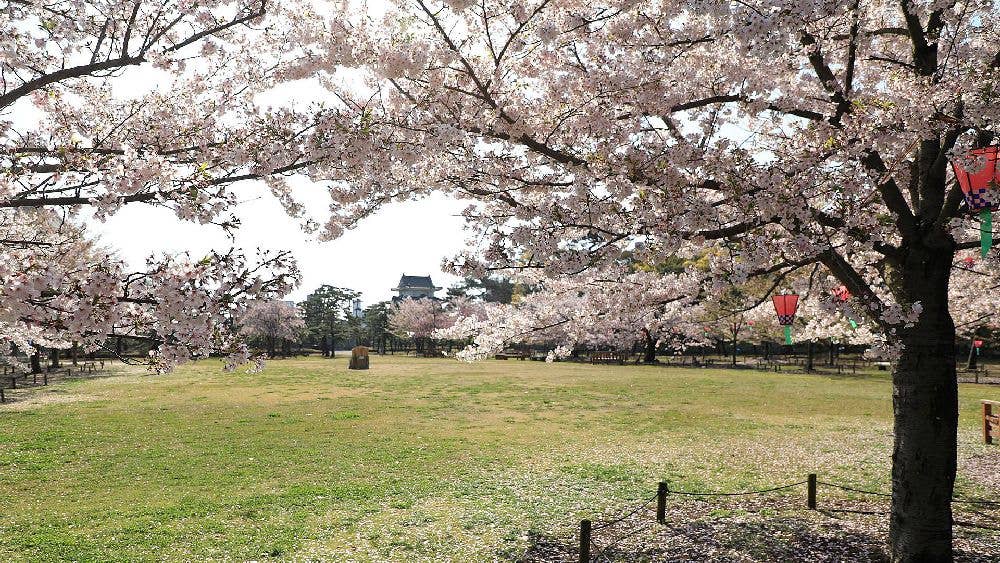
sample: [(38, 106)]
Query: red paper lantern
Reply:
[(969, 261), (977, 343), (785, 306), (977, 186)]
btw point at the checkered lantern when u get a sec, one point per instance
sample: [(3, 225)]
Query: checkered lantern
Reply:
[(979, 177), (785, 306)]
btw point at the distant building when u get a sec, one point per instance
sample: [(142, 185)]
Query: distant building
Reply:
[(414, 287)]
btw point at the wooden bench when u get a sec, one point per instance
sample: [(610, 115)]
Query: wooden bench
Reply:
[(607, 358), (991, 421), (842, 367)]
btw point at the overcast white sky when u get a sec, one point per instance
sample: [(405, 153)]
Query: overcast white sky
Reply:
[(411, 238)]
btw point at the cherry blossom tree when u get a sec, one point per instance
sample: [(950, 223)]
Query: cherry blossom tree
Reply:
[(419, 319), (790, 133), (272, 321), (972, 299), (105, 104), (643, 306), (59, 287)]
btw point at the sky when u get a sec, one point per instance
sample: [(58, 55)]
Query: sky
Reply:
[(404, 238)]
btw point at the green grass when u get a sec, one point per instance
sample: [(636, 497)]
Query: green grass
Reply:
[(414, 459)]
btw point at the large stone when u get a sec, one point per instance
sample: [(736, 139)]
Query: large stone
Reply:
[(359, 358)]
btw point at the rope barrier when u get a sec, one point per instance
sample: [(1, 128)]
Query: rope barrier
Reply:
[(607, 523), (664, 490), (862, 491), (741, 493), (980, 502)]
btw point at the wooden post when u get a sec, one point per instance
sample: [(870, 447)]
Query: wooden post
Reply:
[(811, 494), (584, 541), (987, 414), (661, 502), (2, 398)]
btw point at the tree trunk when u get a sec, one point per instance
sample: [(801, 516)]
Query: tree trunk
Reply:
[(925, 410), (649, 355), (971, 365), (809, 355), (36, 361), (833, 353), (75, 353), (54, 358), (734, 349)]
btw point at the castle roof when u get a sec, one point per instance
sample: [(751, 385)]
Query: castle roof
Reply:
[(415, 282)]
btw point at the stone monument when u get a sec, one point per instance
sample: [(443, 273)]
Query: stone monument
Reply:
[(359, 358)]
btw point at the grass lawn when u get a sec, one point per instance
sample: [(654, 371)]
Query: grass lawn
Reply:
[(415, 459)]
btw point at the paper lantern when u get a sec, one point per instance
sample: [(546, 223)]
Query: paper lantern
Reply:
[(977, 343), (841, 294), (978, 186), (785, 306)]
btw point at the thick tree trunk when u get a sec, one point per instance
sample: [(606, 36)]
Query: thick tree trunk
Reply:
[(809, 355), (925, 409), (649, 354), (833, 351)]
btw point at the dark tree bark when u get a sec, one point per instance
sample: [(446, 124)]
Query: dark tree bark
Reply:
[(833, 353), (809, 355), (735, 332), (36, 361), (925, 409), (54, 358), (649, 353)]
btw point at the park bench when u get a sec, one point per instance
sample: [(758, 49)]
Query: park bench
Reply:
[(607, 358), (976, 373), (991, 421), (507, 354), (843, 367), (882, 366)]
